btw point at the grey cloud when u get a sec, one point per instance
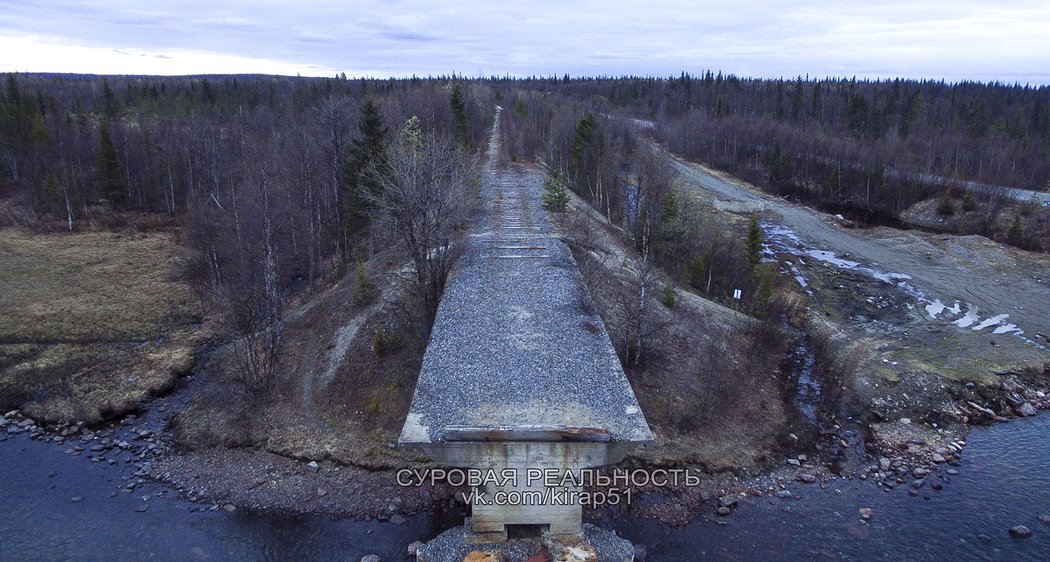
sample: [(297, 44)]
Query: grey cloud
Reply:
[(952, 39)]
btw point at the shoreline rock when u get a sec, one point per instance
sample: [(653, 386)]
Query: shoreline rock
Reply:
[(1020, 531)]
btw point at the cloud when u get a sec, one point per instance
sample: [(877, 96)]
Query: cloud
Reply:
[(960, 39)]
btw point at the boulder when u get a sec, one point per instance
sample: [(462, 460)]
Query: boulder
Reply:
[(728, 501), (1020, 531)]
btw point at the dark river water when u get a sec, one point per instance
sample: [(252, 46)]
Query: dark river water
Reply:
[(1003, 482)]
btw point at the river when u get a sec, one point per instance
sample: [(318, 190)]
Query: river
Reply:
[(1003, 482)]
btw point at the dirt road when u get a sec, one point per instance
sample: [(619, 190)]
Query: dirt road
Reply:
[(970, 281)]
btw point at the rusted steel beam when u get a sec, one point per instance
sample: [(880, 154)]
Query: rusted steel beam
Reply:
[(556, 433)]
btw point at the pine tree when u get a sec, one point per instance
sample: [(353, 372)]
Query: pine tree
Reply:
[(110, 182), (367, 154), (755, 238)]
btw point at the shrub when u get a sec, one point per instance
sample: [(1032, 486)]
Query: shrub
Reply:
[(946, 207), (669, 296), (968, 202), (556, 197), (384, 344), (364, 289)]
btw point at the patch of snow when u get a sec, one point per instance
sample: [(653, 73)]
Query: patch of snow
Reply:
[(934, 308), (993, 321), (829, 257), (891, 278), (783, 240), (970, 317)]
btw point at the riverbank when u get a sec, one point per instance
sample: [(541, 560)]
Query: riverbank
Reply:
[(66, 505), (907, 455), (260, 451), (61, 507)]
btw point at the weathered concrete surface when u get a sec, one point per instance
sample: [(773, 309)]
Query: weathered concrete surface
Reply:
[(512, 345), (517, 374)]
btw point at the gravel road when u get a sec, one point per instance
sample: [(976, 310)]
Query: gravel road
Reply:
[(986, 279)]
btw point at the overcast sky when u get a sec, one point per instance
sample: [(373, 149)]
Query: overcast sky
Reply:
[(951, 39)]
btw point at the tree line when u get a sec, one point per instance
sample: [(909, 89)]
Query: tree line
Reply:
[(278, 183)]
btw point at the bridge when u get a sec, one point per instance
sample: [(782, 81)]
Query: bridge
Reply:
[(520, 373)]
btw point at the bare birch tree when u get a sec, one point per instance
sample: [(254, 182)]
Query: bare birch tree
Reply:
[(424, 196)]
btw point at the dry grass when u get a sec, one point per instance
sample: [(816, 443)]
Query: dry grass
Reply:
[(351, 418), (91, 324), (90, 287)]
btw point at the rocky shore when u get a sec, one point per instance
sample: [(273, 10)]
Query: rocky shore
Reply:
[(921, 457)]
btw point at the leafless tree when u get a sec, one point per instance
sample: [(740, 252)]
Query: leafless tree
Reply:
[(637, 302), (425, 194), (336, 116)]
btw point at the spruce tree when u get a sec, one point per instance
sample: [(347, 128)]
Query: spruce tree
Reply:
[(459, 115), (556, 197), (110, 182), (366, 158), (946, 207), (1016, 234), (755, 238), (586, 153), (110, 104), (969, 203)]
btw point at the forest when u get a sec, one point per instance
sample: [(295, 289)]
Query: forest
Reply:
[(293, 177)]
